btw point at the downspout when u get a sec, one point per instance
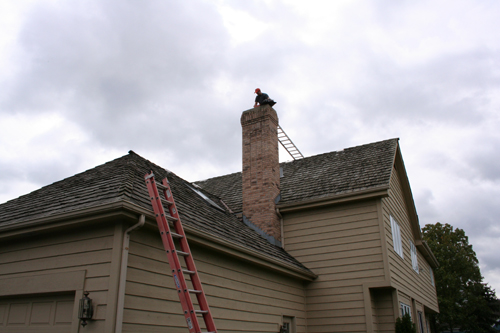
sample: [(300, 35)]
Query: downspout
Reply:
[(123, 273), (281, 227)]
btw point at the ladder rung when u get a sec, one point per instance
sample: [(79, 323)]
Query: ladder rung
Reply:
[(166, 202), (171, 219), (201, 311), (182, 253), (192, 291), (288, 144), (187, 271), (176, 235), (161, 186)]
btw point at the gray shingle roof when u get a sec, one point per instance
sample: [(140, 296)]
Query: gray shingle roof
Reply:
[(123, 180), (350, 170)]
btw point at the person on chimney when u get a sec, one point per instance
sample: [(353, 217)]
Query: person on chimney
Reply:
[(262, 99)]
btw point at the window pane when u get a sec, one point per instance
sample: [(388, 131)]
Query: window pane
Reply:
[(431, 272), (396, 237), (414, 258)]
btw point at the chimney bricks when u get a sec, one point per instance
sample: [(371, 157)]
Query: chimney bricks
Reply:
[(261, 171)]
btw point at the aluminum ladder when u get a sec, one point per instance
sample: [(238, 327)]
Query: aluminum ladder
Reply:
[(178, 272), (289, 146)]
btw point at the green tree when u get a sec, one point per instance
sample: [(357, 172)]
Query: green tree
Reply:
[(481, 309), (405, 325), (464, 301)]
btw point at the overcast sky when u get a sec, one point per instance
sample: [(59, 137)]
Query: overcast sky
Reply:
[(83, 82)]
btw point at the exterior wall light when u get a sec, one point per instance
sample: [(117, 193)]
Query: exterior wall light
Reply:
[(85, 311)]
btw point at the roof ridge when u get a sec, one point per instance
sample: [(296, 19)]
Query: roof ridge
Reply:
[(344, 149), (352, 169), (303, 160), (229, 174)]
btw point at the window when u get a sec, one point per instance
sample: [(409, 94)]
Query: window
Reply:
[(414, 259), (288, 325), (405, 309), (431, 272), (421, 322), (396, 237), (207, 199)]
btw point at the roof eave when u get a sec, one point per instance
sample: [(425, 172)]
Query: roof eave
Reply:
[(369, 193), (408, 196), (66, 218), (426, 251), (245, 253)]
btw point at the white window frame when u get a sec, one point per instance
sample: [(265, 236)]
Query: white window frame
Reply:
[(396, 237), (405, 308), (414, 257), (431, 273)]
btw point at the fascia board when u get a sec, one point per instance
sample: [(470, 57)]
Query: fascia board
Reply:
[(377, 192), (408, 196), (426, 251), (99, 212), (256, 257)]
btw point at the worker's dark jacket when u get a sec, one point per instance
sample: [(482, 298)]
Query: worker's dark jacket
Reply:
[(260, 98)]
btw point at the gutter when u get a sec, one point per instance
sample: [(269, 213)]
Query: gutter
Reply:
[(379, 191), (427, 252), (123, 273), (254, 256)]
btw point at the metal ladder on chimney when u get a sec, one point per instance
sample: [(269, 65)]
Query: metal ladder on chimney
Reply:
[(287, 143), (167, 236)]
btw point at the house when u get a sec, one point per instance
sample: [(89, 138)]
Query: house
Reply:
[(328, 243)]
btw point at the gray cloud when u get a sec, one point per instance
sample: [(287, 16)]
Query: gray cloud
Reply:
[(167, 80)]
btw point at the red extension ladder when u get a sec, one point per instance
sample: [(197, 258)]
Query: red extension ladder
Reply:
[(190, 313)]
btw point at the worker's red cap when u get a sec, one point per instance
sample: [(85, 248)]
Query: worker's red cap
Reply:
[(257, 90)]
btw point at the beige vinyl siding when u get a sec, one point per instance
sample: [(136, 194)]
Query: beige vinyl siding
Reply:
[(86, 249), (382, 310), (402, 274), (243, 297), (342, 245)]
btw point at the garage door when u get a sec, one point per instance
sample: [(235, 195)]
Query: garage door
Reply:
[(49, 313)]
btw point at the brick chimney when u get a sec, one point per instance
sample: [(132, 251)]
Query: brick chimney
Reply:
[(261, 171)]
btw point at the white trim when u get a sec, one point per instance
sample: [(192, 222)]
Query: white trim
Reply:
[(396, 237), (405, 309), (414, 257)]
